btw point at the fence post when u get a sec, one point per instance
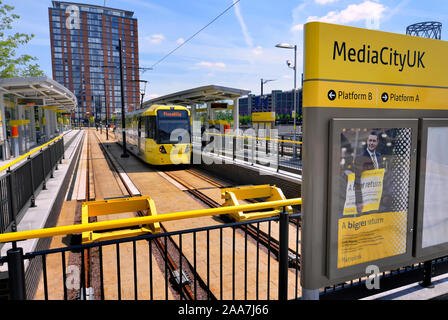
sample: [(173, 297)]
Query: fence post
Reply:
[(33, 197), (427, 275), (283, 255), (278, 155), (62, 149), (50, 150), (16, 273), (281, 144), (234, 149), (13, 195), (44, 185), (54, 149)]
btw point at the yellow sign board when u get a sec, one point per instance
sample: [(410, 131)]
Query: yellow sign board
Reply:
[(263, 117), (18, 122), (359, 68)]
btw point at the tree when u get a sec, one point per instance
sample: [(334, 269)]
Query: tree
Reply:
[(12, 65), (32, 70)]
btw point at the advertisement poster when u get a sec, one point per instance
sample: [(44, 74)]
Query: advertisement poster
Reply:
[(374, 191)]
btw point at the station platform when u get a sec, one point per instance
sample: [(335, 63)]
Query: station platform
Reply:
[(47, 201), (414, 291)]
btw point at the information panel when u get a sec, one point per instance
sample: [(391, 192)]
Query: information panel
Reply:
[(435, 216), (358, 207), (432, 226)]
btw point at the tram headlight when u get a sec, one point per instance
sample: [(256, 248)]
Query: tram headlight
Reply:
[(162, 149)]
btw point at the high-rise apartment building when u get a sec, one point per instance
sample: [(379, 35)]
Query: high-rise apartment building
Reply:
[(85, 57)]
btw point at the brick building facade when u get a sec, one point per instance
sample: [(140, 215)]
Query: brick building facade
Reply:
[(85, 57)]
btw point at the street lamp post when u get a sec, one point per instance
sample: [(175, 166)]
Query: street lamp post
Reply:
[(123, 120), (142, 92), (290, 46), (262, 82)]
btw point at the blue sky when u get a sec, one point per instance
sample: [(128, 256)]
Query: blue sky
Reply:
[(238, 49)]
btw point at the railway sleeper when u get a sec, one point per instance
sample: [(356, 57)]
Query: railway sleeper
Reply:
[(178, 281)]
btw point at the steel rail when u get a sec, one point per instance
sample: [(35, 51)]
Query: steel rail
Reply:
[(163, 250)]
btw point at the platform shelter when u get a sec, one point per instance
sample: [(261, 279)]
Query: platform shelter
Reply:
[(208, 95), (33, 110)]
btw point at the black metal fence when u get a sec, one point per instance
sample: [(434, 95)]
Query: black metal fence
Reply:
[(280, 154), (218, 262), (18, 186)]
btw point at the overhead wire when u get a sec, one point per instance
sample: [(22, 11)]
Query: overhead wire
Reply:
[(191, 37)]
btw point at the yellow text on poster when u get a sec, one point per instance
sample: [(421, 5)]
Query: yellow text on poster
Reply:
[(371, 237)]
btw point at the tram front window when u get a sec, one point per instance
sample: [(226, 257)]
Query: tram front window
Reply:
[(173, 127)]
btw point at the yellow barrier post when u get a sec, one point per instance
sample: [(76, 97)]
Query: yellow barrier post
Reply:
[(272, 193), (113, 206)]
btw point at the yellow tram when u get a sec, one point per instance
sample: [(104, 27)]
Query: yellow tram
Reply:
[(159, 135)]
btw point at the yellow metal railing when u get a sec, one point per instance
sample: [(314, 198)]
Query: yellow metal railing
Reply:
[(146, 220), (29, 153)]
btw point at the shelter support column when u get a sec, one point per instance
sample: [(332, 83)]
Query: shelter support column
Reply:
[(41, 116), (193, 112), (53, 124), (236, 115), (47, 124), (210, 115), (32, 125), (3, 141)]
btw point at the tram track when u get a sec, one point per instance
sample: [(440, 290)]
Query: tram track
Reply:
[(170, 256), (168, 251), (271, 243)]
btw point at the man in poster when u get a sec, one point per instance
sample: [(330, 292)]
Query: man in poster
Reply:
[(370, 159)]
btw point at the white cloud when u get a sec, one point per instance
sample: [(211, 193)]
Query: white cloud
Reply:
[(152, 96), (155, 38), (325, 1), (297, 27), (208, 64), (180, 41), (247, 37), (257, 51), (366, 11)]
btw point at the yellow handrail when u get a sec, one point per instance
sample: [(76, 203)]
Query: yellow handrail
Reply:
[(29, 153), (121, 223), (250, 137)]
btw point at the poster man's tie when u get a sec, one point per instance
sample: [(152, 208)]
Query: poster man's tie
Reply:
[(375, 163)]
